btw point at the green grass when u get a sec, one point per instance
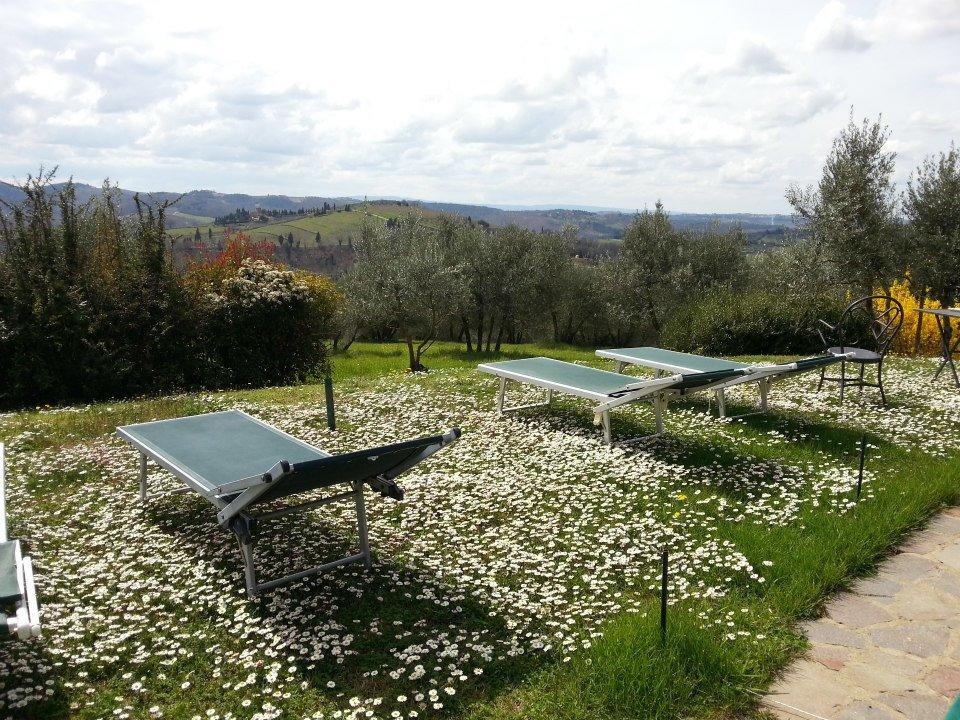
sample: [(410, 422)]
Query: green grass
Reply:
[(629, 672)]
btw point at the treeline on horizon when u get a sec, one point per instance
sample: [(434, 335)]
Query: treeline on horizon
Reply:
[(695, 291), (93, 306)]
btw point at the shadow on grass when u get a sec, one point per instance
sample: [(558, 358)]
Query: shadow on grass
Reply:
[(26, 665), (390, 612)]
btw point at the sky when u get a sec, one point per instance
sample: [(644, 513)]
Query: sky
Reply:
[(708, 106)]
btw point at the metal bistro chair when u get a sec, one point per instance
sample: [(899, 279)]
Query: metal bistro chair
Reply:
[(866, 330)]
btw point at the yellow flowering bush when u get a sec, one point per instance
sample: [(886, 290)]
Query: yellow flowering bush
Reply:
[(929, 335)]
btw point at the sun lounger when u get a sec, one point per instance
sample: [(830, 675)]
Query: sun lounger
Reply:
[(238, 462), (19, 613), (670, 361), (609, 390)]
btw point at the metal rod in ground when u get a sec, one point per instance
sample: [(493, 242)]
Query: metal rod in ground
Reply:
[(328, 391), (664, 559), (863, 458)]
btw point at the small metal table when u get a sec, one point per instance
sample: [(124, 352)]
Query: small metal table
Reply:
[(947, 350)]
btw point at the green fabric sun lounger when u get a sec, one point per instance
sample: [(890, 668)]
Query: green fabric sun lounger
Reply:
[(238, 463), (670, 361), (608, 390), (19, 612)]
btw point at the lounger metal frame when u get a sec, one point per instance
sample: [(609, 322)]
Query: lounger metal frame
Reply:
[(763, 375), (646, 389), (245, 525), (25, 622)]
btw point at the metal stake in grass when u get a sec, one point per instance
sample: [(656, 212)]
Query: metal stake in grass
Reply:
[(664, 559), (328, 391), (863, 457)]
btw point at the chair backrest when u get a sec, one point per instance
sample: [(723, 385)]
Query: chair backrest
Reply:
[(871, 323)]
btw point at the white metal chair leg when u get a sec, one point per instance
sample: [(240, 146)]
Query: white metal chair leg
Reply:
[(721, 403)]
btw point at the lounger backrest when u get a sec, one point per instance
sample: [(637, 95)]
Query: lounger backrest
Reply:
[(817, 361), (697, 380), (387, 461)]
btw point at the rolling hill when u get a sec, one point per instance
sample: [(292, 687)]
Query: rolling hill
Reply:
[(196, 210)]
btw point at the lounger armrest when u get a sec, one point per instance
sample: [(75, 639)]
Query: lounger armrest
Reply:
[(448, 437), (274, 473), (648, 385), (385, 485)]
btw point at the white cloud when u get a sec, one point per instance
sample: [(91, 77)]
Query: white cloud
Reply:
[(568, 107), (920, 119), (833, 28), (744, 57), (919, 19)]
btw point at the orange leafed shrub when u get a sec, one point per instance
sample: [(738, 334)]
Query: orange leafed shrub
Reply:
[(209, 273)]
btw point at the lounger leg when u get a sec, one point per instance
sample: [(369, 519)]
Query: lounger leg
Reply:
[(249, 572), (143, 477), (503, 390), (862, 368), (764, 391), (823, 372), (362, 523), (843, 379), (549, 396), (721, 403), (607, 431), (620, 366)]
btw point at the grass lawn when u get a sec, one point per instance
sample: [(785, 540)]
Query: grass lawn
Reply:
[(519, 577)]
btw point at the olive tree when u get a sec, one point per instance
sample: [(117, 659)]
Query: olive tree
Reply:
[(852, 212), (403, 278), (649, 258), (932, 205)]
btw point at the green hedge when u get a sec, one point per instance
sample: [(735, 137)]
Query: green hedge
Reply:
[(758, 322), (92, 308)]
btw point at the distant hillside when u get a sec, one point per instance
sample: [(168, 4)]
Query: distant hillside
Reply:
[(194, 207), (198, 208), (600, 225)]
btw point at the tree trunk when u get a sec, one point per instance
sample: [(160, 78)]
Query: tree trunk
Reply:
[(917, 338), (466, 334), (499, 338), (411, 355)]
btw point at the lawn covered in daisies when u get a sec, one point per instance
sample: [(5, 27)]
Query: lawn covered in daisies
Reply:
[(518, 578)]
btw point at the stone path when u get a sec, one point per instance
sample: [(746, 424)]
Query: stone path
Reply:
[(890, 649)]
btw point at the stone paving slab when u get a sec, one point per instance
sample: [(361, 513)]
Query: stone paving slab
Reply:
[(890, 649)]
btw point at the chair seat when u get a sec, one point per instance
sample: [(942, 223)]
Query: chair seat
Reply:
[(859, 354)]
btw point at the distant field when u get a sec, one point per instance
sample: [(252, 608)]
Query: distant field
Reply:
[(334, 228), (188, 218)]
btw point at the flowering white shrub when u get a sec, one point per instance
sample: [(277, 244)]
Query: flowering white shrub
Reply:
[(264, 326), (260, 284)]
